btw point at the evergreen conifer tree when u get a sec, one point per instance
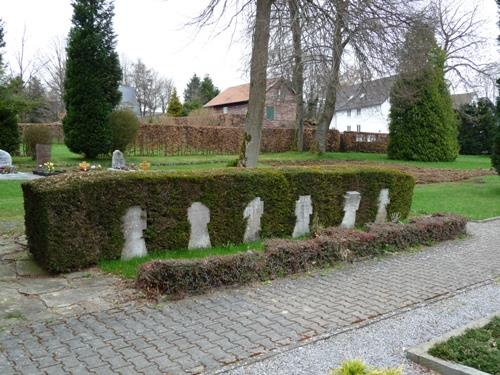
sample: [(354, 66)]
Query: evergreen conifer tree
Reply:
[(208, 91), (477, 127), (92, 78), (174, 108), (423, 125)]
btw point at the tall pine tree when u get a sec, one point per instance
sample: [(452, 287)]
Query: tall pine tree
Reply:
[(208, 90), (423, 125), (92, 78)]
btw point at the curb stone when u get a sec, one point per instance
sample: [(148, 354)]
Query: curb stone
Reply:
[(420, 355)]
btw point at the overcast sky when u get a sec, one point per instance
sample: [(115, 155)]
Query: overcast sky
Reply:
[(155, 31)]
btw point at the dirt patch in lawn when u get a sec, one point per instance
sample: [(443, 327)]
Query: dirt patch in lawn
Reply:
[(421, 175)]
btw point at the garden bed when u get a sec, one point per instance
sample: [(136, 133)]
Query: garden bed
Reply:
[(422, 175), (285, 257), (478, 348)]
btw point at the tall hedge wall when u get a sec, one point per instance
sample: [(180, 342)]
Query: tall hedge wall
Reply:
[(74, 221)]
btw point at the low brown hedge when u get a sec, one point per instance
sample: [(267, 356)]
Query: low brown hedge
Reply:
[(285, 257)]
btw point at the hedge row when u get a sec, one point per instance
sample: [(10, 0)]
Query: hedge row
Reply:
[(168, 140), (73, 221), (363, 142), (285, 257)]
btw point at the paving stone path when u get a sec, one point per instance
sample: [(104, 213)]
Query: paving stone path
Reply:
[(214, 332)]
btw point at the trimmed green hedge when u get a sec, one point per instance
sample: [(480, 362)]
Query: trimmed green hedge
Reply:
[(73, 221)]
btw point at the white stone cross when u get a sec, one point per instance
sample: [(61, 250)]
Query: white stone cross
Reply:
[(303, 212), (253, 213), (134, 222), (351, 206), (383, 201), (199, 217)]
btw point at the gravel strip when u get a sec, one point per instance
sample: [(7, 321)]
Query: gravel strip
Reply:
[(383, 343)]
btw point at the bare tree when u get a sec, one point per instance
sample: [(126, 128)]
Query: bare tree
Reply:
[(458, 25), (27, 68), (165, 86), (55, 71), (214, 13)]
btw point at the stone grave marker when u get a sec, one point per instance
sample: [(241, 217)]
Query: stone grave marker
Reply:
[(303, 212), (134, 222), (253, 213), (43, 154), (383, 202), (5, 159), (118, 161), (199, 217), (351, 206)]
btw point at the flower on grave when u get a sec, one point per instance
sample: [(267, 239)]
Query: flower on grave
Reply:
[(145, 165), (84, 166), (49, 166)]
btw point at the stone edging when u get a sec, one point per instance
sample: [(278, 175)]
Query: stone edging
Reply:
[(486, 220), (420, 355)]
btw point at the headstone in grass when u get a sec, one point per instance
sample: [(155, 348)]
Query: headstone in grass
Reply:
[(118, 161), (383, 202), (43, 154), (253, 212), (5, 159), (199, 217), (351, 206), (133, 225), (303, 212)]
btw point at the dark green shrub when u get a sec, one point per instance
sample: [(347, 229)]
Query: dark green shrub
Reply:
[(9, 131), (285, 257), (33, 135), (423, 125), (477, 127), (94, 205), (124, 127)]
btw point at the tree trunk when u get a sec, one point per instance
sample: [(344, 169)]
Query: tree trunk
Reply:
[(333, 82), (258, 69), (298, 73)]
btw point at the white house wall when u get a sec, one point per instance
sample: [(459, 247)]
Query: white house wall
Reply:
[(372, 119)]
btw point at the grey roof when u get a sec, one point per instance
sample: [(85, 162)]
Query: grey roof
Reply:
[(372, 93), (366, 94)]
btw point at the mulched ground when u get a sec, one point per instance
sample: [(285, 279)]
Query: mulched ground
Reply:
[(421, 175)]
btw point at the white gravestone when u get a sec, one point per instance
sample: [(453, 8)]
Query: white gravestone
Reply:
[(303, 212), (199, 217), (133, 224), (253, 213), (118, 161), (351, 206), (383, 201), (5, 159)]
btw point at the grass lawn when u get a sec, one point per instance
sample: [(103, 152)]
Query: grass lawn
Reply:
[(128, 268), (62, 157), (477, 348), (11, 200), (476, 199)]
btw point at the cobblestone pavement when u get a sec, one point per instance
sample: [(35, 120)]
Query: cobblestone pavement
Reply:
[(28, 293), (219, 330)]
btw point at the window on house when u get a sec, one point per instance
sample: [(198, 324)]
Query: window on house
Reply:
[(358, 112), (348, 128), (225, 110), (270, 113), (358, 128), (348, 113)]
